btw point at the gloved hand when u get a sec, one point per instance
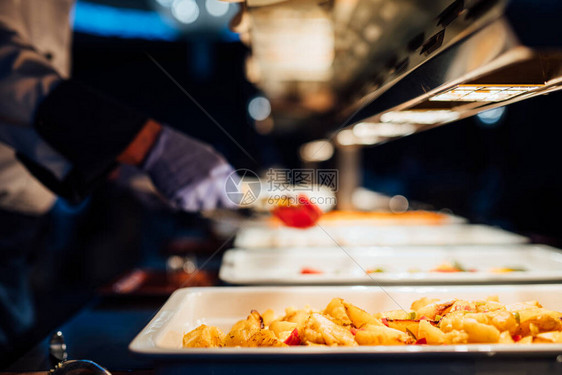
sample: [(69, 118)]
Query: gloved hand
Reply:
[(190, 174)]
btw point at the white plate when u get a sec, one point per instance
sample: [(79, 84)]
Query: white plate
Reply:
[(187, 308), (329, 236), (349, 265)]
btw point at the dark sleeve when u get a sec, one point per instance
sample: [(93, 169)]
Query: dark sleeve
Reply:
[(89, 130)]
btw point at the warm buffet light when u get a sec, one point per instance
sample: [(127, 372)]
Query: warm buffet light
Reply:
[(289, 48), (388, 130), (483, 93), (346, 138), (316, 151), (420, 116)]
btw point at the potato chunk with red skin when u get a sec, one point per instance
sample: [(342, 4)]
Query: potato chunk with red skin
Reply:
[(404, 325), (282, 329), (433, 309)]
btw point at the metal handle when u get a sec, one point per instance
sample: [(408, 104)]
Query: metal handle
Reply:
[(58, 356), (79, 367)]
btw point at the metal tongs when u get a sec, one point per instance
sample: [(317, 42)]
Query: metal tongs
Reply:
[(62, 366)]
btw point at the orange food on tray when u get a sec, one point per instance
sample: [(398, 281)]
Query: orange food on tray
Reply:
[(372, 218), (429, 321), (408, 217)]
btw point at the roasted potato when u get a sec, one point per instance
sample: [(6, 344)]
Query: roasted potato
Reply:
[(434, 309), (431, 322), (242, 331), (544, 320), (372, 334), (318, 329), (204, 337), (263, 337), (359, 317), (337, 311)]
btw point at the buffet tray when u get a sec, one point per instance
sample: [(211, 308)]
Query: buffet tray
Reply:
[(329, 236), (187, 308), (391, 265)]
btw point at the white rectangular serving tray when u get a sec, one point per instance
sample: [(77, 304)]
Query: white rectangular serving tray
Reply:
[(350, 265), (187, 308), (329, 236), (447, 219)]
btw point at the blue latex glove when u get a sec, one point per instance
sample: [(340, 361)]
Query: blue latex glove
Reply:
[(190, 174)]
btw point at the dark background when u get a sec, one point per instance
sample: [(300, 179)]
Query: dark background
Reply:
[(507, 174)]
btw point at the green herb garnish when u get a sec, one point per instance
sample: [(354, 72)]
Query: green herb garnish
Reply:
[(458, 266), (517, 317)]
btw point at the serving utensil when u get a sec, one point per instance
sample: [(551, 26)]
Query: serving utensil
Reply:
[(61, 366)]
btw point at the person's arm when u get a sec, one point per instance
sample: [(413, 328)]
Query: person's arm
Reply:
[(137, 151), (26, 78), (71, 137)]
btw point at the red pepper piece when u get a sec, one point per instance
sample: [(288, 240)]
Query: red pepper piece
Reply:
[(516, 337), (304, 214), (310, 271), (384, 321), (421, 341), (293, 338)]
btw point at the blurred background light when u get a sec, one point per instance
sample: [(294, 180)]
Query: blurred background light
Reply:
[(346, 138), (259, 108), (165, 3), (216, 8), (104, 20), (320, 150), (369, 129), (491, 116), (420, 116), (398, 203), (185, 11)]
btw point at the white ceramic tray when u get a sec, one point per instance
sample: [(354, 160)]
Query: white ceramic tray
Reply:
[(401, 265), (329, 236), (446, 219), (223, 306)]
